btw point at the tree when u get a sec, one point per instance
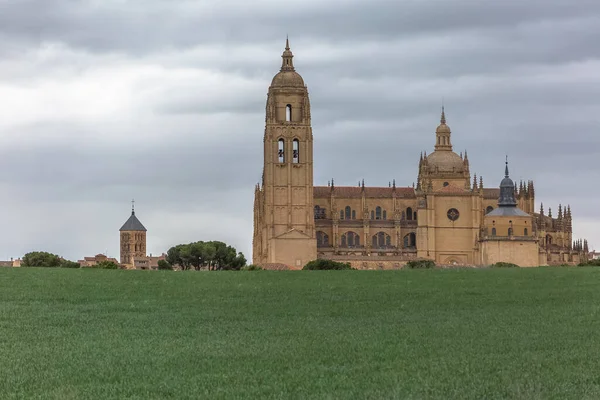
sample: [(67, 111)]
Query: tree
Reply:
[(69, 264), (213, 255), (164, 265), (41, 259), (106, 265)]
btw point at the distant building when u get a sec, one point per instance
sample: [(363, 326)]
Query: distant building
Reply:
[(147, 262), (133, 240), (12, 263), (594, 255), (93, 261)]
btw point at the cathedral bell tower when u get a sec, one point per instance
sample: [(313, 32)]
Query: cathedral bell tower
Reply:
[(284, 227)]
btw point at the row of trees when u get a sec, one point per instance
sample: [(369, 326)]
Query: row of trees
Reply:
[(49, 260), (212, 255)]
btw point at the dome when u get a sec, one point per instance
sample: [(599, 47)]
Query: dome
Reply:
[(288, 78), (507, 182), (442, 128), (445, 161)]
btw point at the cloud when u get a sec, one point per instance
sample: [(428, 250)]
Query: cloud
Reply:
[(163, 101)]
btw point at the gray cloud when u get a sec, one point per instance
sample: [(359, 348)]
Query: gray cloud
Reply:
[(164, 101)]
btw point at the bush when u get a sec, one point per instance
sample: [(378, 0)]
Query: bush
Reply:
[(420, 264), (590, 263), (251, 267), (106, 265), (502, 264), (69, 264), (164, 266), (322, 265)]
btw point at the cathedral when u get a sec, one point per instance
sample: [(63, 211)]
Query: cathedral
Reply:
[(448, 217)]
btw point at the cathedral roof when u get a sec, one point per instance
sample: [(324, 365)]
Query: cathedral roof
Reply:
[(445, 161), (133, 224), (507, 212), (349, 192), (287, 76), (507, 190), (491, 193)]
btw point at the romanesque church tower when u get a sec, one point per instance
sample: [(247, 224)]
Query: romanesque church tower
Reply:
[(284, 228), (133, 239)]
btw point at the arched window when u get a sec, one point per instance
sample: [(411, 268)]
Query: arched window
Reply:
[(493, 231), (281, 150), (295, 151), (378, 212), (319, 213), (525, 232), (350, 239), (322, 239), (348, 212), (372, 214), (288, 113), (381, 240), (410, 240), (409, 214), (489, 209)]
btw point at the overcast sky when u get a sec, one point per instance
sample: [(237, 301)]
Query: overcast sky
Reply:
[(102, 101)]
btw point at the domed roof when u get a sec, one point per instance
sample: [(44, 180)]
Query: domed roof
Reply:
[(445, 161), (287, 78), (442, 128)]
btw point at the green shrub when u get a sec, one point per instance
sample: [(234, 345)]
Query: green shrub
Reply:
[(420, 264), (251, 267), (164, 266), (502, 264), (321, 265), (590, 263), (106, 265), (69, 264)]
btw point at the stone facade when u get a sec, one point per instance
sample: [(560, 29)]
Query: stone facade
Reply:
[(449, 217), (132, 240)]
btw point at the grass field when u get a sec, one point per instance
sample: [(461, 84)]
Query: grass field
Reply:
[(468, 334)]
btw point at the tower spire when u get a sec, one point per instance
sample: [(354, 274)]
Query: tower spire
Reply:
[(442, 134), (132, 206), (506, 167), (287, 62)]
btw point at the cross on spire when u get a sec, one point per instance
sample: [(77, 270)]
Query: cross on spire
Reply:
[(132, 206)]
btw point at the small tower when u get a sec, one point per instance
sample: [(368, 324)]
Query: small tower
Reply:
[(133, 238)]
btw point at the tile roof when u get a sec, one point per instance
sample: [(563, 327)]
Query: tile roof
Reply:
[(133, 224), (491, 193), (370, 192)]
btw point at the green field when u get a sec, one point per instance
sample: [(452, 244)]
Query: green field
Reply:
[(468, 334)]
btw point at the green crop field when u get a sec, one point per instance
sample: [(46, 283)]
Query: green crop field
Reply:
[(420, 334)]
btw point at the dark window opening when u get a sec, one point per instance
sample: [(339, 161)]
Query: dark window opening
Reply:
[(350, 239), (322, 239), (295, 151), (281, 150)]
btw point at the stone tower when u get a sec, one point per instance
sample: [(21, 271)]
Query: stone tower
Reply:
[(133, 239), (284, 228)]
